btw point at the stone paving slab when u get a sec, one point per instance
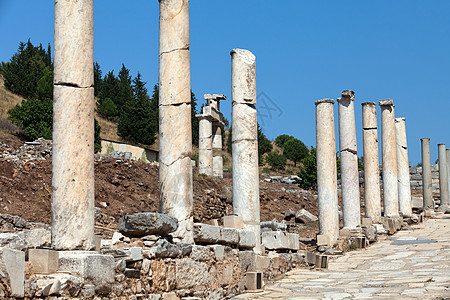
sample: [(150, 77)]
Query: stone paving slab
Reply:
[(412, 264)]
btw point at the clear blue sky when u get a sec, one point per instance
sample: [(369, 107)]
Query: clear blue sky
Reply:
[(306, 50)]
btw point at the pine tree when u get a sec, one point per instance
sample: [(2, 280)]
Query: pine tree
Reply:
[(97, 79), (195, 122), (125, 90)]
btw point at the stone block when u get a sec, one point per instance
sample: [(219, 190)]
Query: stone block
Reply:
[(142, 224), (97, 242), (233, 221), (247, 238), (359, 242), (310, 258), (206, 233), (96, 268), (227, 275), (219, 251), (44, 261), (213, 222), (428, 213), (380, 228), (321, 262), (164, 249), (200, 253), (305, 216), (127, 254), (390, 226), (132, 273), (170, 296), (278, 240), (12, 262), (366, 222), (190, 273), (345, 232), (229, 236), (323, 240), (262, 263), (370, 232), (248, 261), (253, 281)]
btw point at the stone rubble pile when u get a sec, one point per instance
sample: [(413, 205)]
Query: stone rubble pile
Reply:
[(28, 154)]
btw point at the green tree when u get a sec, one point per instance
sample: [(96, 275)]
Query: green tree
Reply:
[(154, 106), (107, 109), (44, 87), (230, 141), (194, 120), (125, 90), (295, 150), (97, 79), (25, 68), (109, 87), (264, 145), (276, 161), (282, 139), (308, 173), (97, 138)]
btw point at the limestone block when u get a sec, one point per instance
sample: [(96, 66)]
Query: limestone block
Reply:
[(321, 262), (247, 238), (201, 253), (74, 43), (169, 296), (227, 275), (370, 232), (324, 240), (305, 216), (273, 225), (73, 168), (44, 261), (142, 224), (126, 254), (58, 283), (253, 281), (278, 240), (262, 263), (248, 261), (164, 249), (12, 263), (366, 222), (206, 233), (233, 221), (310, 258), (219, 251), (229, 236), (190, 273), (91, 266)]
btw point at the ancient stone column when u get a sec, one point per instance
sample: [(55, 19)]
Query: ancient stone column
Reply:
[(447, 151), (443, 177), (73, 127), (217, 151), (326, 169), (404, 184), (349, 161), (245, 141), (389, 158), (175, 134), (428, 202), (372, 195), (205, 145)]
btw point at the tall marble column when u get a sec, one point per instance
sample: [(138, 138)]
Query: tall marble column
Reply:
[(73, 127), (372, 195), (404, 184), (389, 157), (217, 151), (175, 134), (349, 161), (447, 151), (428, 202), (443, 177), (245, 141), (205, 145), (326, 169)]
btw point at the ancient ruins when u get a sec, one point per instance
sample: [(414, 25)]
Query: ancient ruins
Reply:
[(165, 255)]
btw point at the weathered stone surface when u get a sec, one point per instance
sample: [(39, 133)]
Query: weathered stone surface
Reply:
[(443, 178), (247, 238), (56, 284), (404, 185), (190, 273), (142, 224), (253, 281), (201, 253), (428, 202), (326, 169), (44, 261), (248, 261), (91, 266), (370, 232), (278, 240), (12, 265), (229, 236), (126, 254), (305, 216), (205, 152), (233, 221), (206, 233), (164, 249), (262, 263), (273, 225), (219, 251)]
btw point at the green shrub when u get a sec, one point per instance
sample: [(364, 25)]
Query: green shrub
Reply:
[(276, 161)]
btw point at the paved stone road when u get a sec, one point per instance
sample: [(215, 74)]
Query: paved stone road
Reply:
[(412, 264)]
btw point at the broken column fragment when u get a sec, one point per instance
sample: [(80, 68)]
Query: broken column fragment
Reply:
[(175, 134), (217, 150), (349, 160), (372, 194), (73, 127), (404, 184), (326, 170), (428, 202), (389, 157), (205, 151), (245, 141), (443, 177), (447, 151)]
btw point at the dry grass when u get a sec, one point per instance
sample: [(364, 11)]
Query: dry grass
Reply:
[(7, 100)]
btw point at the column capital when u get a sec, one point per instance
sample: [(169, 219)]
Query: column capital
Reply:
[(348, 94), (368, 103), (386, 102), (326, 100)]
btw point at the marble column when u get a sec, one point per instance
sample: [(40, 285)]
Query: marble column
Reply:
[(349, 161), (447, 151), (73, 127), (428, 202), (205, 146), (217, 151), (404, 184), (372, 195), (245, 141), (389, 158), (175, 134), (443, 177), (326, 169)]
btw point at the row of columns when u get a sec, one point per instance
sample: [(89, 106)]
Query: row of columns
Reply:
[(395, 172), (73, 127)]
